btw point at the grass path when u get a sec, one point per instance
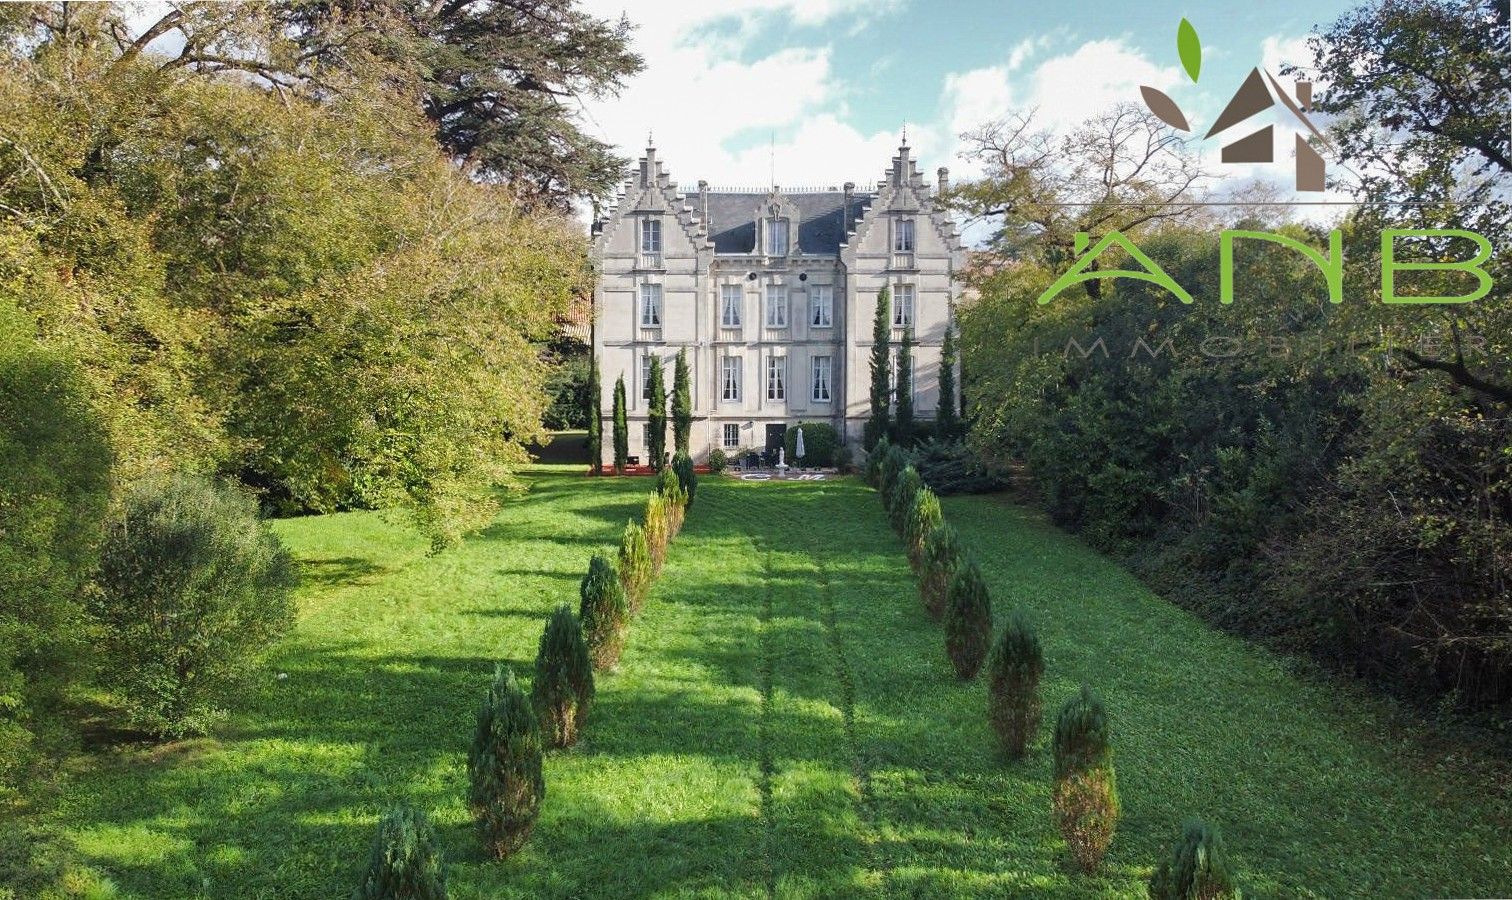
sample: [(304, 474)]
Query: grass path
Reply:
[(784, 724)]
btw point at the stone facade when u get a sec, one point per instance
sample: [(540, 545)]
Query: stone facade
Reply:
[(772, 294)]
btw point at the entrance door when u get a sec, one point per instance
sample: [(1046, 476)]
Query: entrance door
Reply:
[(775, 435)]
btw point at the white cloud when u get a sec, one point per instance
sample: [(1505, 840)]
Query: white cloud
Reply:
[(1278, 49)]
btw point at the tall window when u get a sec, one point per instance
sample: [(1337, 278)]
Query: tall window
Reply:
[(651, 305), (776, 378), (821, 379), (730, 297), (731, 435), (776, 306), (651, 235), (903, 236), (821, 305), (777, 237), (729, 378), (903, 306)]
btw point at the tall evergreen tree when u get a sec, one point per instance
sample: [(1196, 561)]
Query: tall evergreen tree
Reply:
[(881, 353), (682, 405), (947, 418), (621, 428), (903, 398), (504, 767), (656, 418), (595, 418)]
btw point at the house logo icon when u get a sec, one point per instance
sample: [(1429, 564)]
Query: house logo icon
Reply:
[(1259, 92)]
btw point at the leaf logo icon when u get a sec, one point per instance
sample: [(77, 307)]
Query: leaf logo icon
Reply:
[(1190, 49)]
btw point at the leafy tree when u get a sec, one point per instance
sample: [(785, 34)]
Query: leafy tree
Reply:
[(947, 419), (192, 586), (563, 687), (621, 428), (635, 566), (604, 612), (504, 767), (656, 419), (595, 419), (1197, 868), (682, 464), (1013, 672), (877, 425), (1085, 793), (942, 557), (405, 862), (682, 405), (924, 516), (903, 396), (968, 621)]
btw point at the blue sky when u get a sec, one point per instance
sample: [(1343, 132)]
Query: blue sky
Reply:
[(830, 82)]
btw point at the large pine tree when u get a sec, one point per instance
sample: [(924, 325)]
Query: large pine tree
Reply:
[(621, 428), (876, 426), (904, 395), (656, 419), (682, 405)]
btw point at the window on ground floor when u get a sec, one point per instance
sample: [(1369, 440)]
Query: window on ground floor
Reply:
[(731, 436)]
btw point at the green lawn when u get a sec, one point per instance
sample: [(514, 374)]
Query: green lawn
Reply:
[(784, 723)]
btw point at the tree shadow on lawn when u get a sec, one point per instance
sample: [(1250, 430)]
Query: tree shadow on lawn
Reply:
[(331, 571)]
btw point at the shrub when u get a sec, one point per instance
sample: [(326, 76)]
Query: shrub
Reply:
[(1085, 793), (405, 863), (820, 441), (905, 491), (563, 687), (942, 556), (1014, 672), (718, 461), (1197, 868), (191, 587), (635, 566), (968, 620), (874, 459), (676, 499), (892, 466), (844, 459), (682, 464), (950, 467), (924, 516), (604, 612), (504, 768), (658, 529)]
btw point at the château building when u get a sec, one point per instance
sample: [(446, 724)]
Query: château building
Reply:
[(773, 295)]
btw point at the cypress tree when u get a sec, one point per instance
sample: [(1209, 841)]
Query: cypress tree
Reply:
[(905, 490), (658, 529), (874, 461), (947, 419), (671, 490), (604, 612), (1013, 671), (595, 418), (904, 399), (621, 429), (1197, 868), (635, 566), (656, 418), (942, 556), (563, 687), (1084, 796), (924, 516), (881, 352), (405, 863), (504, 767), (682, 464), (892, 466), (682, 404), (968, 621)]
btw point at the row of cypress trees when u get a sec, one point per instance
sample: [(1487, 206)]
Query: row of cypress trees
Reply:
[(682, 416), (506, 785), (1084, 795), (892, 409)]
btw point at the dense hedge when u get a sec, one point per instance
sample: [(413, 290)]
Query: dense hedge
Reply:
[(820, 443)]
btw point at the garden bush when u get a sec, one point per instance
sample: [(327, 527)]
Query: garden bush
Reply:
[(887, 475), (950, 467), (820, 441), (604, 613), (504, 767), (563, 687), (874, 459), (718, 461), (192, 586), (635, 566), (924, 516), (1197, 868), (1013, 673), (405, 863), (676, 499), (905, 491), (682, 464), (942, 556), (658, 517), (968, 621), (1084, 796)]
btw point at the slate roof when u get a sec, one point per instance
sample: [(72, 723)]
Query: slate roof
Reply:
[(821, 219)]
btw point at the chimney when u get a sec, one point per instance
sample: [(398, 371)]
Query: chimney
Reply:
[(943, 176), (850, 191)]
